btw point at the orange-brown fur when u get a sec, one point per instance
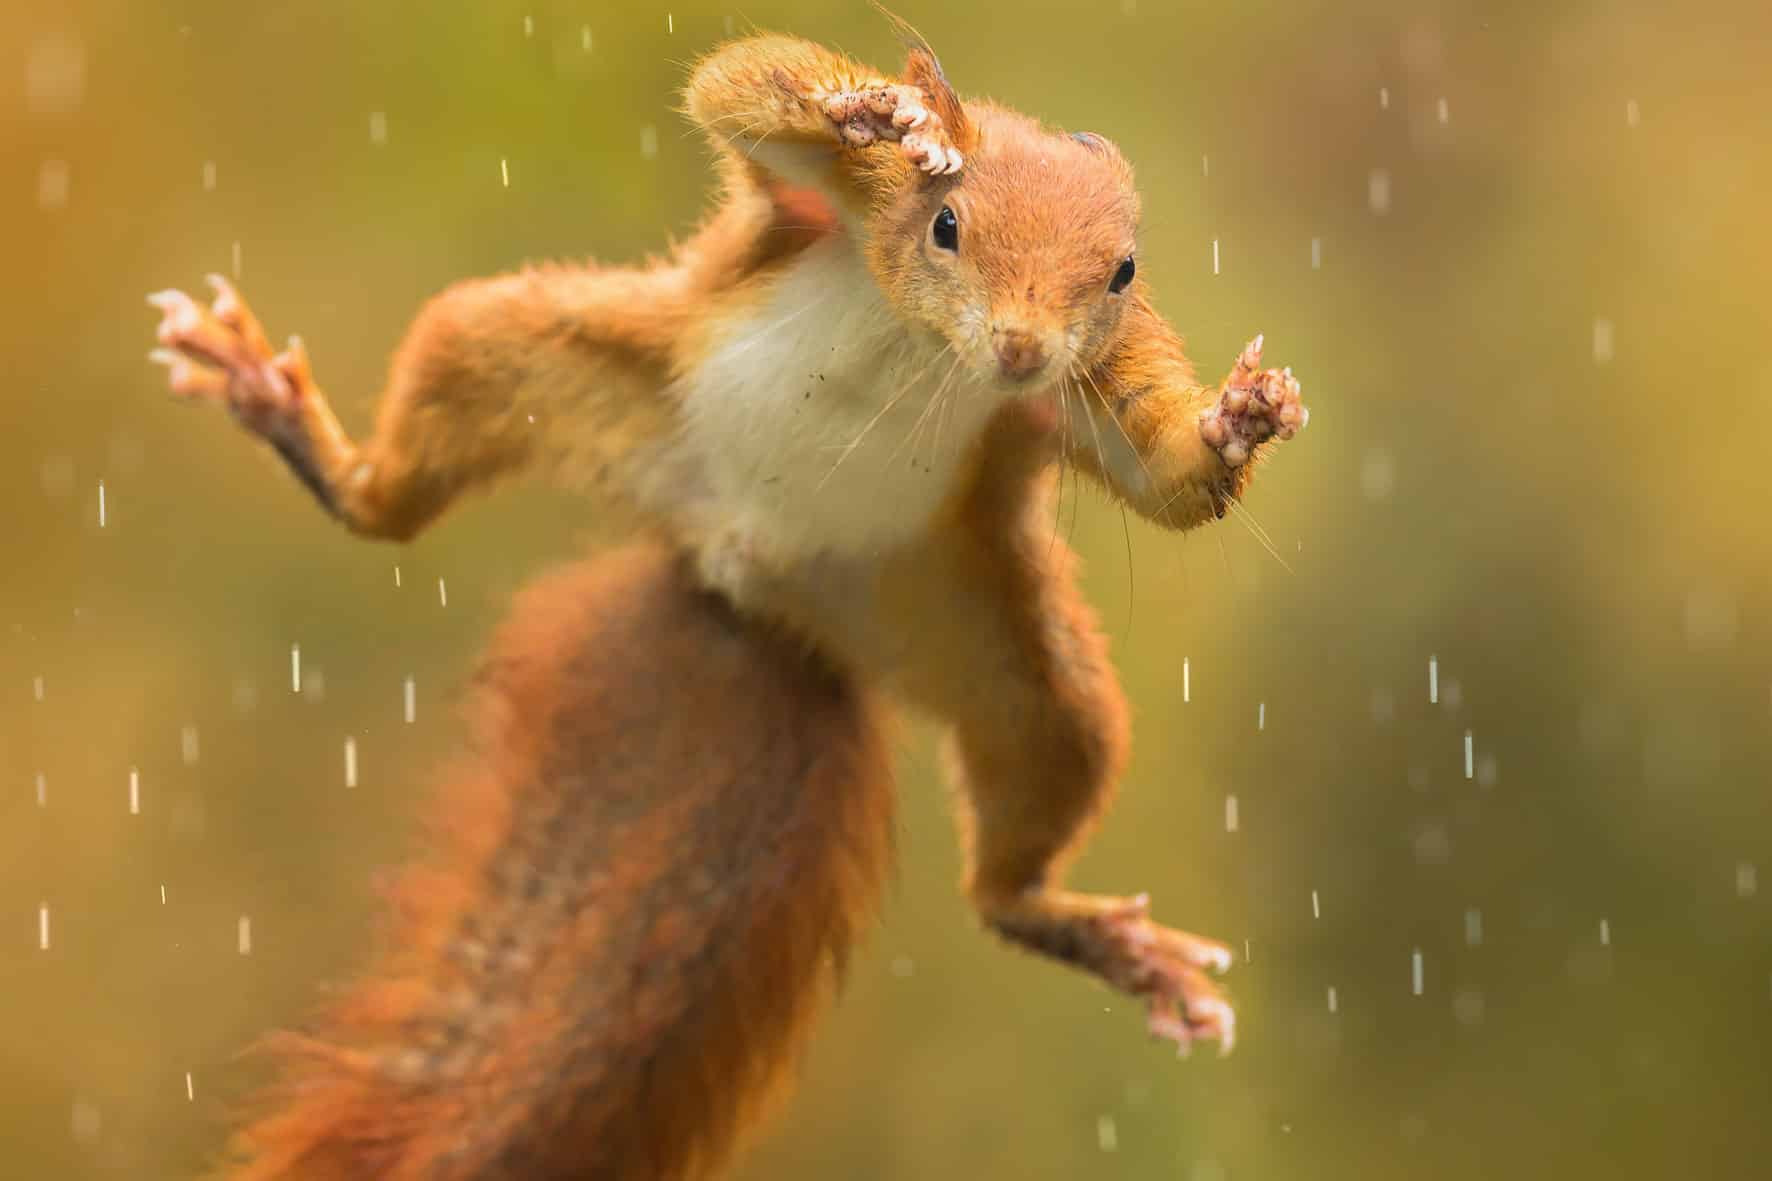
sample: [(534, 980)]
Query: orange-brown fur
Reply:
[(622, 931), (722, 826)]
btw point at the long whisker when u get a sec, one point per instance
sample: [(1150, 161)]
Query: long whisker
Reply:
[(916, 430), (910, 384), (1131, 583), (1257, 532), (1100, 454), (1137, 455), (1064, 450)]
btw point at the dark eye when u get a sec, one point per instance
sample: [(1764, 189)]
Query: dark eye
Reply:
[(947, 230), (1123, 276)]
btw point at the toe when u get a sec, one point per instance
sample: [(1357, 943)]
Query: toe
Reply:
[(1214, 429)]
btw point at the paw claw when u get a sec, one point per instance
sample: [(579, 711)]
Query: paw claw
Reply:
[(220, 352), (292, 363), (894, 112), (1255, 405)]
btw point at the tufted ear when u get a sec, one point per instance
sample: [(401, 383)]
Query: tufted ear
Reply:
[(1099, 144), (921, 68)]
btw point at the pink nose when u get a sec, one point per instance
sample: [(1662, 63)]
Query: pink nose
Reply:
[(1018, 352)]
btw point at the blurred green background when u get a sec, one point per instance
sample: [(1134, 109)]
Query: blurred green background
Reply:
[(1518, 255)]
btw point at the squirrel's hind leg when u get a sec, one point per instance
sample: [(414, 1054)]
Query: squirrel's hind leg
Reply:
[(1038, 746), (1039, 755)]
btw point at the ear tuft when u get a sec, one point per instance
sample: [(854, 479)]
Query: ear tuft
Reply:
[(922, 69)]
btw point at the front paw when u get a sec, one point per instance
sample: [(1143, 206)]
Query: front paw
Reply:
[(1256, 405), (220, 353), (896, 113)]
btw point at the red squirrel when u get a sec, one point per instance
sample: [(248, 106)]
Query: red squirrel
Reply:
[(836, 413)]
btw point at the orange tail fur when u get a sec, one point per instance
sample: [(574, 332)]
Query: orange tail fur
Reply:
[(673, 827)]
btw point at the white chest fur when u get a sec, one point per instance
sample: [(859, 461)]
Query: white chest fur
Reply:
[(820, 424)]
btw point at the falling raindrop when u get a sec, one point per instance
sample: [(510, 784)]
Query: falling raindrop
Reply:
[(55, 75), (1602, 340), (53, 182), (86, 1121), (1378, 191)]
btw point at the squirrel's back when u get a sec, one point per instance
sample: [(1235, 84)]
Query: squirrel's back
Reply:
[(673, 824)]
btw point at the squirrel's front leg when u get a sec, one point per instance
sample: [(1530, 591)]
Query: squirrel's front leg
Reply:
[(801, 112), (1177, 451), (559, 363)]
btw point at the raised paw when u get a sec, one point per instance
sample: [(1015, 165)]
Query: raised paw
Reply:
[(1116, 939), (221, 353), (1256, 405), (894, 112)]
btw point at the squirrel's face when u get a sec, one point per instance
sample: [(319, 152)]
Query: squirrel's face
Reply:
[(1024, 260)]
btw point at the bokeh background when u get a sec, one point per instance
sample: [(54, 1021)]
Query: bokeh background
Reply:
[(1518, 255)]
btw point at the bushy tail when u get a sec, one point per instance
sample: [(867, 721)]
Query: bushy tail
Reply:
[(673, 826)]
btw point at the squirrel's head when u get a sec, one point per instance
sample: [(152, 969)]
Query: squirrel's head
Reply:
[(1023, 260)]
